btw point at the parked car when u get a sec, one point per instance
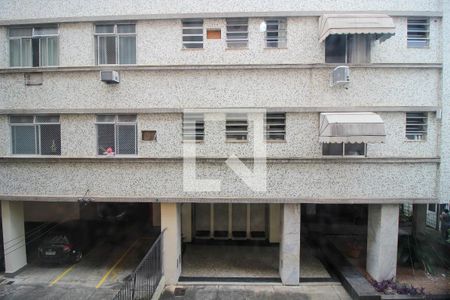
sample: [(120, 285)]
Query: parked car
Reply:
[(66, 243)]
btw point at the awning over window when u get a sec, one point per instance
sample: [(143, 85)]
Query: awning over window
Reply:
[(358, 127), (379, 25)]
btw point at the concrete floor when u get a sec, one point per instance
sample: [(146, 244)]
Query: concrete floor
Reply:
[(244, 261), (252, 292)]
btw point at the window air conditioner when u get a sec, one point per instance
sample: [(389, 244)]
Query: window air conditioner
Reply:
[(340, 76), (109, 76)]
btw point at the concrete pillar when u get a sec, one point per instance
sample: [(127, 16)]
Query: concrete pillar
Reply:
[(274, 223), (290, 244), (419, 219), (13, 236), (171, 222), (382, 240), (186, 222)]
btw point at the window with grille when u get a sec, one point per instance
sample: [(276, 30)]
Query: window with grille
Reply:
[(275, 126), (237, 33), (193, 127), (33, 46), (418, 32), (344, 149), (116, 134), (276, 33), (35, 135), (192, 33), (236, 128), (115, 44), (416, 126)]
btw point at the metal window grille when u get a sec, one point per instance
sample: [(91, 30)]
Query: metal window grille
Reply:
[(192, 33), (344, 149), (275, 126), (35, 135), (236, 128), (416, 126), (116, 134), (33, 46), (115, 43), (237, 32), (193, 127), (418, 32), (276, 33)]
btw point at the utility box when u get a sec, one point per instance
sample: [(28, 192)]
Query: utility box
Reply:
[(110, 77), (340, 76)]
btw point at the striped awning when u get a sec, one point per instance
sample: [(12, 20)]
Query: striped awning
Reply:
[(379, 25), (358, 127)]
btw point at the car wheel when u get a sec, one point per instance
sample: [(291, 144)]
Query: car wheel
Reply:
[(78, 256)]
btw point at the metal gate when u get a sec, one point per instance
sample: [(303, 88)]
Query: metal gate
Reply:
[(142, 283)]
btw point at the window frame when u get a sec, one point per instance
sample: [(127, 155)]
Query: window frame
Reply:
[(237, 117), (117, 36), (117, 123), (427, 32), (343, 151), (37, 131), (368, 53), (32, 37), (281, 132), (284, 40), (423, 133), (183, 27), (237, 22), (196, 138)]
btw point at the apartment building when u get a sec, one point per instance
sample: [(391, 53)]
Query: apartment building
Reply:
[(153, 102)]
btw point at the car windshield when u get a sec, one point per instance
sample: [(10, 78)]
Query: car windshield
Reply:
[(57, 239)]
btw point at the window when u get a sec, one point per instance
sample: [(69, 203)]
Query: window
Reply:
[(418, 32), (276, 33), (193, 127), (35, 135), (275, 126), (416, 126), (33, 46), (116, 134), (432, 207), (193, 33), (344, 149), (347, 48), (237, 33), (115, 44), (236, 127)]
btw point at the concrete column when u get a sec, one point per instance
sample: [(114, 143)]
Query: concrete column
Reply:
[(382, 240), (290, 244), (171, 222), (13, 236), (274, 223), (186, 222), (419, 219)]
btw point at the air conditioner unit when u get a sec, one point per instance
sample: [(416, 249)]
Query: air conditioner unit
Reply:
[(340, 76), (109, 76)]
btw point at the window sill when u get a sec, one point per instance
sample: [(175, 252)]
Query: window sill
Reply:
[(192, 142), (415, 141), (275, 48), (237, 49), (192, 49), (276, 141), (236, 142), (343, 156)]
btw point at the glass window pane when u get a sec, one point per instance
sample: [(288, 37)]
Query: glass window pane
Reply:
[(43, 50), (126, 139), (50, 30), (335, 48), (332, 149), (24, 139), (20, 32), (104, 29), (21, 119), (106, 118), (14, 53), (126, 118), (105, 139), (47, 119), (26, 53), (127, 50), (52, 51), (107, 49), (126, 28), (355, 149), (50, 139)]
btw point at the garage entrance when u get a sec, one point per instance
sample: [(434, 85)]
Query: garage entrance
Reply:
[(227, 221)]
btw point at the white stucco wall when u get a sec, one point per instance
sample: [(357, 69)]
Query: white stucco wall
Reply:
[(76, 41)]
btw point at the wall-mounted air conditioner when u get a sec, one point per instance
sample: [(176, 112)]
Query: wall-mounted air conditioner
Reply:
[(109, 76), (340, 76)]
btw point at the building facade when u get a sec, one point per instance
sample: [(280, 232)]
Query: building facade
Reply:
[(196, 78)]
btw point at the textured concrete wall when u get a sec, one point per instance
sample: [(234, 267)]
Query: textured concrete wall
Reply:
[(223, 88), (52, 8), (159, 42), (336, 180)]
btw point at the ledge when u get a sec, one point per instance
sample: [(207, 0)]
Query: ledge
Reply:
[(215, 67), (279, 160)]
